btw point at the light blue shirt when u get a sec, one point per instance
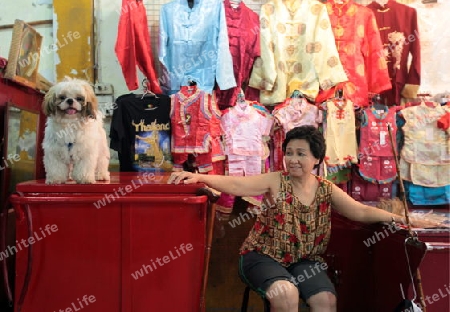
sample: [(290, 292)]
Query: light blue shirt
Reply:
[(193, 46)]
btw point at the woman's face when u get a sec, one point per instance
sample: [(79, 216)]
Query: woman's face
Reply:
[(299, 159)]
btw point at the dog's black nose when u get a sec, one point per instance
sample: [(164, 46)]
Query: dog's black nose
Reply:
[(70, 101)]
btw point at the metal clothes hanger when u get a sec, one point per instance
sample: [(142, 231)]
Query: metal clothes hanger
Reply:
[(235, 3), (377, 102), (339, 94), (147, 92), (425, 99), (240, 100), (296, 94)]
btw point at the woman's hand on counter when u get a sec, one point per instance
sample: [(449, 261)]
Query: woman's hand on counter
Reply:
[(424, 222), (183, 177)]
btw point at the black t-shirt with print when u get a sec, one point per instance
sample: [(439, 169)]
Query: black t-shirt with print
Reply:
[(140, 132)]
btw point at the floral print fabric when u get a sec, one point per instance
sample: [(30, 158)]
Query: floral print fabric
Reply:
[(288, 230), (298, 51)]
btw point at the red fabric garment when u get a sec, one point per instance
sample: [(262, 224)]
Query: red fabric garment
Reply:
[(243, 36), (201, 162), (360, 51), (252, 94), (278, 137), (374, 131), (191, 114), (277, 158), (217, 150), (133, 46), (218, 167), (400, 36), (444, 122), (3, 62), (376, 160), (362, 190), (378, 169)]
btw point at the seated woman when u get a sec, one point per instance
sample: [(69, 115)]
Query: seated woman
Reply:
[(281, 257)]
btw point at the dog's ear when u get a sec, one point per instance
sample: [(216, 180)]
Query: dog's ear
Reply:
[(91, 108), (49, 104), (89, 111)]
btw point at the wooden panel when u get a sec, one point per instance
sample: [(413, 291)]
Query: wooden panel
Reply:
[(225, 289), (74, 39)]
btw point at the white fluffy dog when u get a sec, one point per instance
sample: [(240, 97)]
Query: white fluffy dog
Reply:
[(75, 143)]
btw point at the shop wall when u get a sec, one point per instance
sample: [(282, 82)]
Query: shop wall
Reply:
[(107, 13), (74, 33)]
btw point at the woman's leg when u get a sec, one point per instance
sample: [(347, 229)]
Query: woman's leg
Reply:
[(323, 301), (283, 296), (314, 285), (270, 280)]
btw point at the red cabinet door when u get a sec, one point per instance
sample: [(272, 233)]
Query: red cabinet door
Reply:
[(435, 269), (141, 252), (82, 257), (164, 244), (367, 276)]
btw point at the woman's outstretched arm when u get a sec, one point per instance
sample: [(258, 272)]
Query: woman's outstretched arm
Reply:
[(237, 186), (353, 210)]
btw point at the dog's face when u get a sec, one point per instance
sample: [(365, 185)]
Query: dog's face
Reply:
[(71, 99)]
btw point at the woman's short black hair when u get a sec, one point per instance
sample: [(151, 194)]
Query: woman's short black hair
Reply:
[(312, 135)]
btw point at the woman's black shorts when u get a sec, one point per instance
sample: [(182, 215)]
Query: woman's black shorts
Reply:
[(259, 271)]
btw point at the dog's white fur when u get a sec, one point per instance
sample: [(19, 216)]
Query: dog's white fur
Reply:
[(75, 144)]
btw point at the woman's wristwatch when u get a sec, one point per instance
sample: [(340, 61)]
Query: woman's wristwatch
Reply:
[(393, 221)]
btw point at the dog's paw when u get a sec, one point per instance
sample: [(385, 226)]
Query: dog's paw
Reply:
[(85, 180), (54, 181), (102, 176)]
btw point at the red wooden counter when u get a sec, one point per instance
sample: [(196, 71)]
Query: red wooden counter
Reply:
[(134, 244)]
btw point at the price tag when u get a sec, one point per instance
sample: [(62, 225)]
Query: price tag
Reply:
[(383, 138)]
